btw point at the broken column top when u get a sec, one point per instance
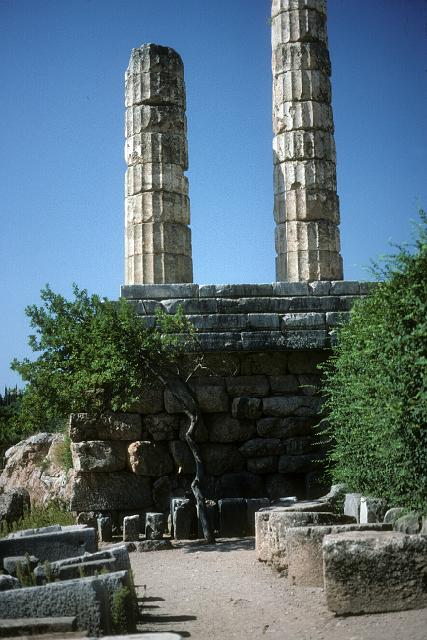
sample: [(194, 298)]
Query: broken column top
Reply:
[(152, 58), (292, 5)]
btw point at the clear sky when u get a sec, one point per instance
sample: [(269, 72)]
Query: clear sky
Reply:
[(62, 66)]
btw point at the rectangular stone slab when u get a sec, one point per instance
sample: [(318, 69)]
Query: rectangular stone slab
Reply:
[(369, 572)]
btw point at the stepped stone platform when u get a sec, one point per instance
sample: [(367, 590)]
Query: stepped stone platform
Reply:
[(254, 317)]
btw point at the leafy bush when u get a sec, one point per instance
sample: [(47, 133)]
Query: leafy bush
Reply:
[(94, 355), (376, 385)]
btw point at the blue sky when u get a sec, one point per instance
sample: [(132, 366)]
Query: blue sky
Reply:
[(61, 129)]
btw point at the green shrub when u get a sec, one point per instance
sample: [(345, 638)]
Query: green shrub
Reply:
[(53, 513), (376, 385)]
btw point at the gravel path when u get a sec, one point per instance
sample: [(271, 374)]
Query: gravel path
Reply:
[(222, 592)]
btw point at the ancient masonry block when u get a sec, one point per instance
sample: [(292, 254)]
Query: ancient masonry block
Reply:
[(157, 208), (306, 205)]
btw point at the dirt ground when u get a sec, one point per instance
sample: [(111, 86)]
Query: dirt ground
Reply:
[(222, 592)]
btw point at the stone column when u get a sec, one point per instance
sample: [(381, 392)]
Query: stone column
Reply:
[(306, 205), (157, 208)]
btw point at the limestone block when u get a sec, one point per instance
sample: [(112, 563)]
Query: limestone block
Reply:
[(253, 505), (159, 291), (337, 318), (157, 119), (304, 174), (254, 386), (301, 55), (261, 447), (221, 458), (151, 400), (297, 235), (157, 177), (148, 458), (264, 464), (301, 25), (11, 564), (284, 427), (369, 572), (284, 384), (372, 509), (224, 428), (184, 518), (158, 238), (246, 407), (8, 582), (211, 398), (303, 145), (157, 88), (296, 464), (154, 526), (272, 524), (308, 265), (130, 528), (292, 5), (162, 148), (162, 426), (307, 204), (99, 455), (301, 85), (393, 514), (304, 550), (310, 320), (282, 405), (158, 267), (307, 115), (109, 426), (411, 522), (154, 58), (105, 529), (182, 457), (50, 546), (110, 492)]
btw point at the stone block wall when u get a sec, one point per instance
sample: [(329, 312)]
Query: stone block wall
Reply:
[(259, 393)]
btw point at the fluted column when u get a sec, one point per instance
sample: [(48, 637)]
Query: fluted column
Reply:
[(306, 205), (157, 208)]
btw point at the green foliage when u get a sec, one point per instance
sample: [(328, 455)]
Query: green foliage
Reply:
[(10, 405), (52, 513), (94, 355), (376, 385), (24, 573), (118, 610)]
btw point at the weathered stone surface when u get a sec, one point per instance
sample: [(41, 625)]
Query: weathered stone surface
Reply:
[(300, 55), (162, 426), (8, 582), (304, 145), (155, 88), (352, 505), (221, 458), (224, 428), (184, 519), (50, 627), (262, 447), (154, 526), (99, 455), (409, 523), (253, 505), (277, 486), (131, 528), (253, 386), (372, 509), (182, 457), (156, 238), (308, 265), (306, 204), (155, 207), (232, 517), (212, 398), (50, 546), (201, 433), (13, 504), (278, 6), (304, 550), (111, 426), (110, 491), (148, 458), (11, 563), (158, 119), (295, 463), (151, 400), (391, 515), (369, 572), (282, 405), (240, 485), (299, 25), (157, 148), (154, 545), (265, 464), (246, 407), (279, 521), (284, 427)]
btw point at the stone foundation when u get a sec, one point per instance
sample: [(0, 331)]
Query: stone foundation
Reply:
[(259, 393)]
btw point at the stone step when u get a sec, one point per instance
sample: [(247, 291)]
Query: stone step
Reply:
[(13, 627)]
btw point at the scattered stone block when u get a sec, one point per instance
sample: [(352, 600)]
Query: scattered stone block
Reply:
[(51, 546), (352, 505), (105, 529), (31, 532), (393, 514), (115, 558), (304, 550), (369, 572), (25, 627), (252, 506), (372, 509), (232, 517), (8, 582), (154, 526), (409, 523), (86, 599), (153, 545), (130, 528), (85, 569), (184, 518), (11, 563)]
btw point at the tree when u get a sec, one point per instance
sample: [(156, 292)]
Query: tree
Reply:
[(97, 355), (376, 384)]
